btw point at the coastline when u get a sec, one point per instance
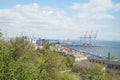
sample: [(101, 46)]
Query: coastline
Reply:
[(101, 48)]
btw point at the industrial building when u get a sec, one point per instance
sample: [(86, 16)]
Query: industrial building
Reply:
[(113, 65), (110, 65), (39, 41)]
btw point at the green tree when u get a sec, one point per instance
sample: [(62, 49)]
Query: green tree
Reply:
[(21, 47), (66, 76), (0, 34), (109, 56), (113, 56), (6, 61), (52, 63), (68, 61), (101, 77), (19, 61), (97, 70), (12, 68), (113, 75), (46, 46), (82, 67)]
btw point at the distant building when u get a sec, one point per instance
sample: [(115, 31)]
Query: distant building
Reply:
[(46, 41), (53, 41), (97, 60), (80, 58), (109, 64), (39, 41), (113, 65)]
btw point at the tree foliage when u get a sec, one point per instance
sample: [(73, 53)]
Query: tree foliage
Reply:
[(89, 71), (66, 76), (67, 62), (101, 77), (0, 34), (6, 61), (97, 70), (109, 56), (112, 75), (21, 47), (82, 67), (19, 61)]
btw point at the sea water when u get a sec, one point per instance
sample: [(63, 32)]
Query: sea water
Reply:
[(102, 48)]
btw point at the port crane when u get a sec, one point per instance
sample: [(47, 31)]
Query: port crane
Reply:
[(87, 39)]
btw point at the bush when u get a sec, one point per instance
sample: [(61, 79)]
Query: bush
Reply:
[(66, 76), (82, 67)]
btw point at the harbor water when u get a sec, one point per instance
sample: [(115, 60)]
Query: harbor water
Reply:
[(102, 48)]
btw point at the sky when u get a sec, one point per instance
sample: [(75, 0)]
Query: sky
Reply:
[(61, 19)]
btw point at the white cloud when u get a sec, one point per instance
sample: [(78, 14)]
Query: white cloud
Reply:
[(35, 19), (49, 22), (117, 7), (103, 16), (95, 9)]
